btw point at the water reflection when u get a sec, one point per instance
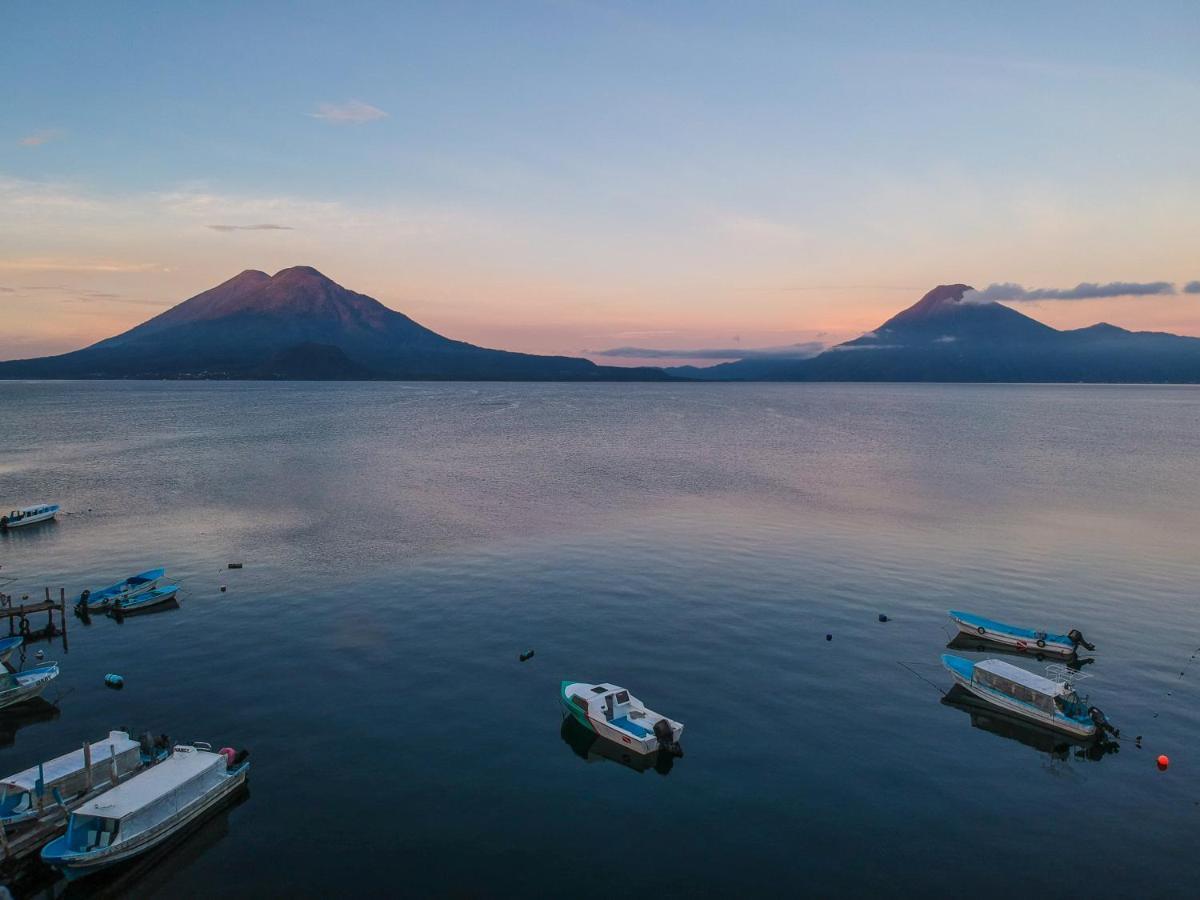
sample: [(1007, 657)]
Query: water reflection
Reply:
[(31, 712), (1045, 740), (589, 746), (980, 645)]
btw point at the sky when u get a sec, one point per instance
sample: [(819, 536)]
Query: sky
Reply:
[(571, 177)]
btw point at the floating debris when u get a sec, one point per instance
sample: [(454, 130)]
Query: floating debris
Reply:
[(527, 655), (235, 565), (882, 617), (222, 589), (829, 637), (114, 681)]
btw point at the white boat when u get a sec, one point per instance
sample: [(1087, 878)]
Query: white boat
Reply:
[(613, 713), (1023, 640), (16, 687), (146, 810), (68, 777), (1050, 701), (29, 515), (132, 603)]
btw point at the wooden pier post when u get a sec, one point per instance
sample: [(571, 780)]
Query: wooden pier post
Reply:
[(87, 764)]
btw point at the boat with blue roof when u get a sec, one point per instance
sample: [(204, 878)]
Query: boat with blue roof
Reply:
[(1049, 700), (123, 606), (1024, 640), (615, 714), (28, 515)]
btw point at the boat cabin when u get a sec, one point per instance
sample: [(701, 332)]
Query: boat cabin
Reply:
[(146, 800), (68, 774), (1020, 684)]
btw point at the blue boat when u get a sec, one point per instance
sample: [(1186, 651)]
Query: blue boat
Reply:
[(1049, 701), (146, 599), (1024, 640), (8, 646), (94, 601)]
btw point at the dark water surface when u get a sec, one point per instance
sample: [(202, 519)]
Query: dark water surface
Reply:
[(404, 543)]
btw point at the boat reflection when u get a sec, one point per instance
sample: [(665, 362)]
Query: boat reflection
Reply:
[(589, 746), (32, 711), (971, 644), (1058, 745)]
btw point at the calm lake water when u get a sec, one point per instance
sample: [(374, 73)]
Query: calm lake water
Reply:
[(403, 543)]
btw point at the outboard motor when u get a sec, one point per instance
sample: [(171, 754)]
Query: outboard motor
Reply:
[(1102, 722), (147, 744), (241, 756), (666, 738), (1077, 639)]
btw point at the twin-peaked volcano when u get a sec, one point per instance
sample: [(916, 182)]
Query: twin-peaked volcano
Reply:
[(948, 336), (299, 324)]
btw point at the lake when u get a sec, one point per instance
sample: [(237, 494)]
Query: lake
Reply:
[(404, 543)]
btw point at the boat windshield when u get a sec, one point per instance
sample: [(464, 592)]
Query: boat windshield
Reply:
[(1071, 705), (92, 832), (16, 802)]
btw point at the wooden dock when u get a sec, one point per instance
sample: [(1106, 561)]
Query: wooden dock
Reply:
[(18, 616)]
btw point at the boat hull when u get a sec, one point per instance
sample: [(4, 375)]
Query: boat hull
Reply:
[(1033, 645), (146, 600), (79, 865), (31, 520), (1021, 710), (31, 688), (644, 746)]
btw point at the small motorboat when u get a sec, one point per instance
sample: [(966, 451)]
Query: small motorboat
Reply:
[(1022, 639), (1049, 701), (29, 515), (148, 809), (131, 603), (8, 646), (16, 687), (613, 713), (94, 601), (68, 777)]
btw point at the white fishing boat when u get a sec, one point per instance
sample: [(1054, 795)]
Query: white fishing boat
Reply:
[(29, 515), (613, 713), (1023, 640), (146, 810), (68, 777), (1051, 701), (16, 687), (144, 600)]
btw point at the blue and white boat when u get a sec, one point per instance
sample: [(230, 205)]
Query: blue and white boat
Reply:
[(8, 646), (28, 515), (613, 713), (94, 601), (16, 687), (1049, 701), (132, 603), (1024, 640), (147, 810), (49, 785)]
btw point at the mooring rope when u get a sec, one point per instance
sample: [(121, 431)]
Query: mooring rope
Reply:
[(932, 684)]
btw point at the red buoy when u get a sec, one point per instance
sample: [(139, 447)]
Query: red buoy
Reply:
[(1163, 762)]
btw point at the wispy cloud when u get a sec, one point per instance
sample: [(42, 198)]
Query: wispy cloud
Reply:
[(791, 351), (1086, 290), (37, 138), (354, 112), (50, 264), (1192, 287), (266, 226)]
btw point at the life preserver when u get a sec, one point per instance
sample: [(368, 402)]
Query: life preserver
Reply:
[(24, 629), (981, 630), (1041, 643)]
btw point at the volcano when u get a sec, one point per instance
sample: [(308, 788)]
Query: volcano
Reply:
[(299, 324), (948, 336)]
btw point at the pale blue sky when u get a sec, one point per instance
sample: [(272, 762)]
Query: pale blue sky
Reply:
[(589, 169)]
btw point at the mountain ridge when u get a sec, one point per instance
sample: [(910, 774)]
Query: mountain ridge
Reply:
[(299, 323)]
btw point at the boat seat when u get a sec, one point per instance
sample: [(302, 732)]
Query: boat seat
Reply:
[(632, 727)]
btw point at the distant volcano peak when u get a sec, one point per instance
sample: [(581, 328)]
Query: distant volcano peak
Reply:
[(942, 298)]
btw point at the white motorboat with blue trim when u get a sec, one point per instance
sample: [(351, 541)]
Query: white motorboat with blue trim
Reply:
[(28, 515), (613, 713), (68, 777), (132, 603), (146, 810), (16, 687), (1025, 640), (1051, 701)]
